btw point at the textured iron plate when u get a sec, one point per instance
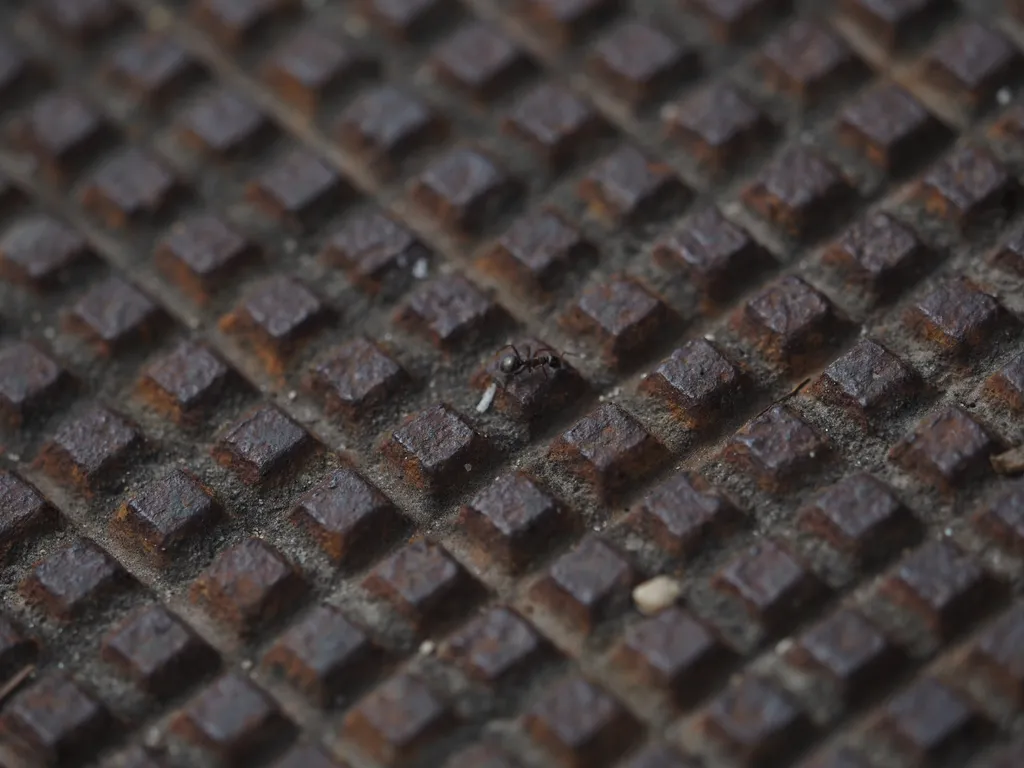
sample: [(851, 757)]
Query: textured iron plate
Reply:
[(260, 505)]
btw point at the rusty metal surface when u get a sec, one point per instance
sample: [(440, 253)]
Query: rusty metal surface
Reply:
[(259, 260)]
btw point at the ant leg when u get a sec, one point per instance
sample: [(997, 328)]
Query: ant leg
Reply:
[(543, 366), (563, 355)]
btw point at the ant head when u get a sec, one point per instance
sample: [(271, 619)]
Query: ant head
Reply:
[(509, 363), (554, 362)]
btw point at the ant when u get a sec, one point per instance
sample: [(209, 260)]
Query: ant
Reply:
[(544, 358)]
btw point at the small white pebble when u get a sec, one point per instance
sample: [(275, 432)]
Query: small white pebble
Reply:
[(356, 26), (420, 269), (670, 112), (427, 647), (469, 467), (158, 19), (709, 337), (292, 394), (488, 397), (1004, 96), (656, 594)]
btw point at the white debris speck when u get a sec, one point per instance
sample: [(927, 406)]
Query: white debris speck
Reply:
[(1004, 96), (152, 737), (427, 647), (656, 595), (469, 467), (14, 457), (292, 394), (709, 337), (487, 399), (246, 664), (948, 531), (420, 269)]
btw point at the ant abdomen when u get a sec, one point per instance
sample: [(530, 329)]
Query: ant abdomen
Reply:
[(510, 364)]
